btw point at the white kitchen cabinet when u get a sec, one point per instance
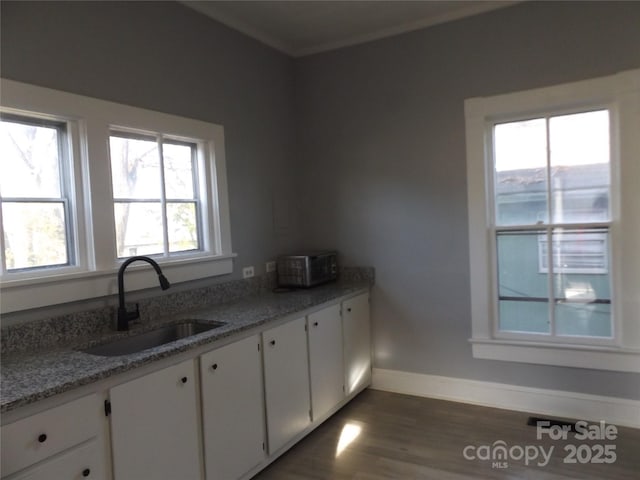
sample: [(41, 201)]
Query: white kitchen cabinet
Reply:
[(357, 343), (31, 447), (209, 407), (326, 366), (154, 426), (232, 409), (286, 378)]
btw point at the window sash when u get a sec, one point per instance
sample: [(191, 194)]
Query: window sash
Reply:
[(163, 200), (551, 298), (68, 234), (65, 172)]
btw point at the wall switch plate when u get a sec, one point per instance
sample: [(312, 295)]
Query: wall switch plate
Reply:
[(270, 266), (247, 272)]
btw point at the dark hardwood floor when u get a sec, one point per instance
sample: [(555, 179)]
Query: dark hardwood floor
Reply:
[(406, 437)]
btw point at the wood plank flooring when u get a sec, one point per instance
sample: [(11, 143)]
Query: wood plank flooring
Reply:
[(406, 437)]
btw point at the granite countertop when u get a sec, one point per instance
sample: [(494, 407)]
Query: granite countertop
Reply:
[(27, 377)]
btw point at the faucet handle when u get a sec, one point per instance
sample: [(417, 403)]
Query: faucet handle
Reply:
[(124, 316)]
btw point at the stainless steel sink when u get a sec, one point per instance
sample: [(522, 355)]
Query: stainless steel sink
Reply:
[(153, 338)]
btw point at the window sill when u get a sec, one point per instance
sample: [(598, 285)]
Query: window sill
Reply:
[(578, 356), (23, 294)]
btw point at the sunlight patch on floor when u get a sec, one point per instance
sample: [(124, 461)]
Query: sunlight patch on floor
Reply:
[(350, 432)]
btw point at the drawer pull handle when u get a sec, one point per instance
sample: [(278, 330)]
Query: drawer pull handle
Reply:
[(184, 379), (214, 366), (42, 437), (86, 472)]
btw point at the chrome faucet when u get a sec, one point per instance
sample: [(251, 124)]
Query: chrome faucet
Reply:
[(123, 315)]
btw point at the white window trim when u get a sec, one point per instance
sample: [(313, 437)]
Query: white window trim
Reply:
[(91, 120), (621, 94)]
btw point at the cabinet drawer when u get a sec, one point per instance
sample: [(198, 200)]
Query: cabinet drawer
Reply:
[(80, 463), (35, 438)]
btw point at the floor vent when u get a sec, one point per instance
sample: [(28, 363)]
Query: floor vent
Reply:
[(533, 421)]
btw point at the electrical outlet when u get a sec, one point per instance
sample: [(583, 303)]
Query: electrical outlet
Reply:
[(270, 266), (247, 272)]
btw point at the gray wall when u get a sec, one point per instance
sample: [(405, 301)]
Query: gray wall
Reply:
[(381, 129), (164, 56)]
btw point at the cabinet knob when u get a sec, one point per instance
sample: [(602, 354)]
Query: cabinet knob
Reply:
[(42, 437), (214, 366), (184, 379), (86, 472), (348, 309), (272, 343), (315, 324)]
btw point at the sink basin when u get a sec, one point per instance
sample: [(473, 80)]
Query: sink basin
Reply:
[(154, 338)]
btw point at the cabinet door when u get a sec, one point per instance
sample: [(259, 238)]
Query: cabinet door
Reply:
[(357, 343), (326, 367), (232, 409), (286, 378), (154, 426)]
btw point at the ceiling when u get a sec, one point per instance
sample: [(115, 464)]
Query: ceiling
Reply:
[(304, 27)]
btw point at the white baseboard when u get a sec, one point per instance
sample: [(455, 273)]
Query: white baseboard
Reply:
[(556, 403)]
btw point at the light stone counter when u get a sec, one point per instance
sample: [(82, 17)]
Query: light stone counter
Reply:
[(31, 375)]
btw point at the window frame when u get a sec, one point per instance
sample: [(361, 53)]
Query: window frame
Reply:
[(547, 228), (197, 179), (89, 122), (620, 94), (72, 186), (65, 172)]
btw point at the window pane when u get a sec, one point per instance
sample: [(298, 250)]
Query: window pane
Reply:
[(580, 167), (520, 158), (526, 317), (135, 167), (523, 290), (34, 235), (29, 160), (183, 227), (583, 319), (178, 170), (518, 272), (582, 284), (138, 228)]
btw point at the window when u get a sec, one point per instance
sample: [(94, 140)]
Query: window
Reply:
[(553, 224), (155, 185), (35, 191), (551, 185), (85, 183)]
